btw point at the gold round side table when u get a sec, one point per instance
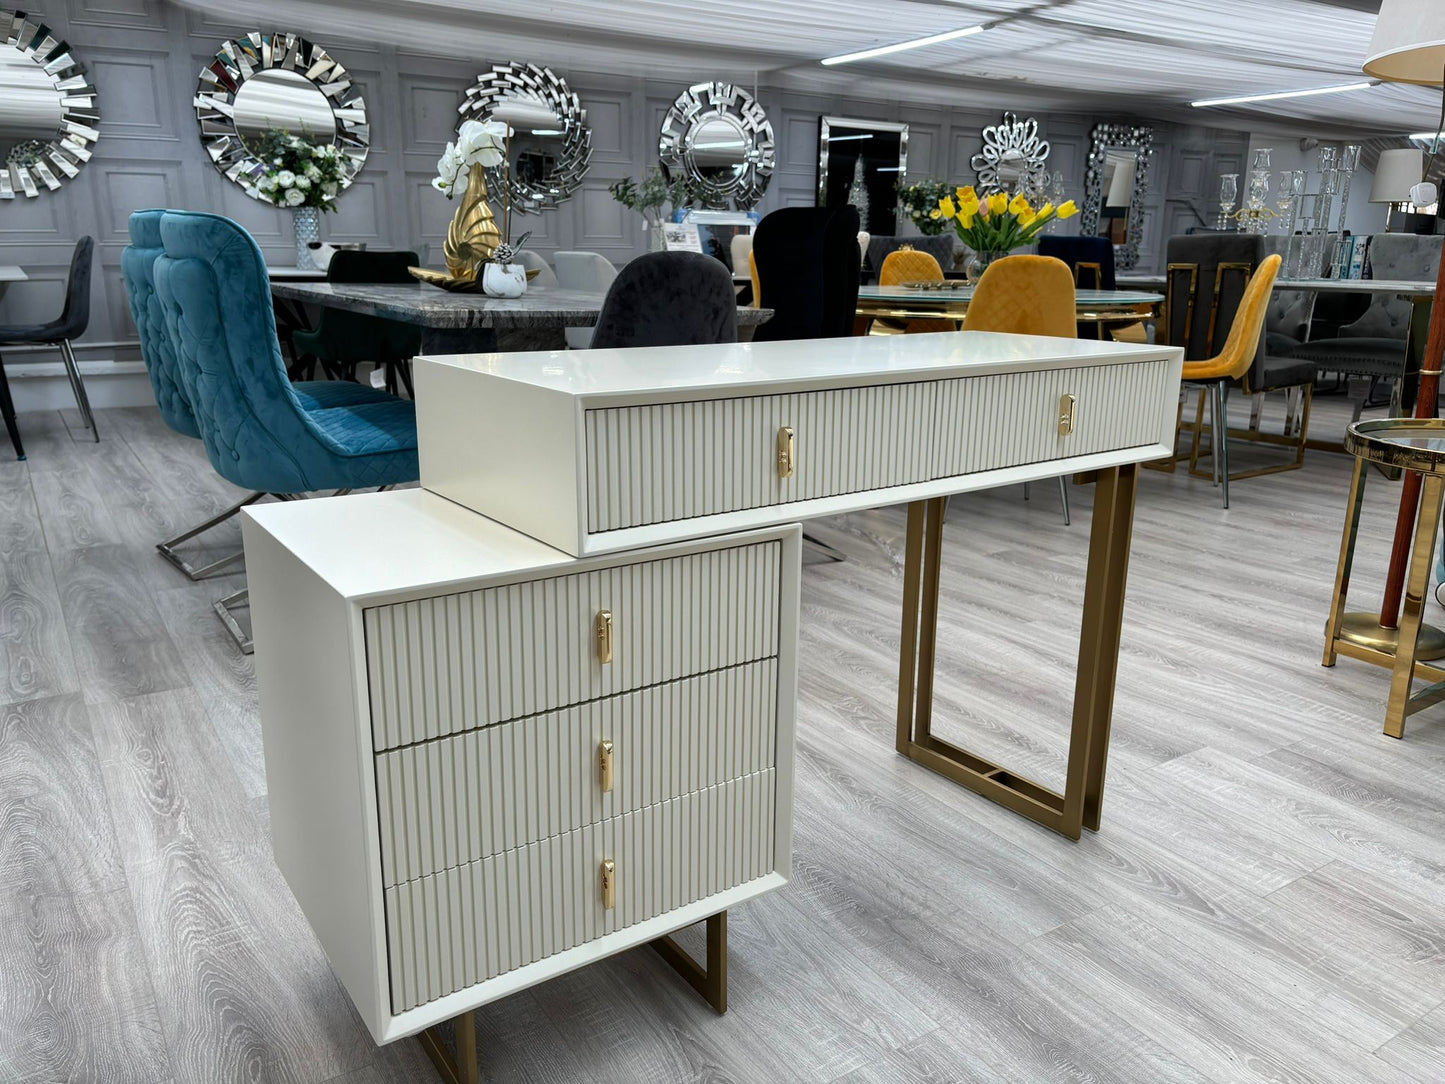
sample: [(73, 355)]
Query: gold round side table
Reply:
[(1412, 444)]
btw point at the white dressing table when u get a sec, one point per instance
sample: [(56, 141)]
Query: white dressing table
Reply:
[(502, 745)]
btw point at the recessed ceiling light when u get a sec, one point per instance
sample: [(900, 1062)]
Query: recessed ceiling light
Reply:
[(1284, 94), (898, 47)]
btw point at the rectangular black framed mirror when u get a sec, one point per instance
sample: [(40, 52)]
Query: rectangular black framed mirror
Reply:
[(863, 162)]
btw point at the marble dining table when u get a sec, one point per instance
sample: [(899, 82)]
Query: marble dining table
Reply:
[(467, 322)]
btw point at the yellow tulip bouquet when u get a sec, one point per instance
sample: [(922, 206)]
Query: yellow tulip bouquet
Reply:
[(999, 222)]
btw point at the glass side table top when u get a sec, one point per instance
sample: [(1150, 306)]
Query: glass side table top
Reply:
[(1416, 444)]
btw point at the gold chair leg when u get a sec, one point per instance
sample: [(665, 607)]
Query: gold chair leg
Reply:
[(461, 1067), (711, 982)]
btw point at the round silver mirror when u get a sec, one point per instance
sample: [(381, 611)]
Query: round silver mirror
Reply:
[(48, 115), (1013, 157), (719, 140), (550, 147), (260, 84)]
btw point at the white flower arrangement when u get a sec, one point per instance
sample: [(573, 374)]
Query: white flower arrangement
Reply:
[(300, 173), (480, 143)]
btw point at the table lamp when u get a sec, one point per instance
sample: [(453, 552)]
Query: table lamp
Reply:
[(1396, 177)]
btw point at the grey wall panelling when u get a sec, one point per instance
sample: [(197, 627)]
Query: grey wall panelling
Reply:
[(144, 56)]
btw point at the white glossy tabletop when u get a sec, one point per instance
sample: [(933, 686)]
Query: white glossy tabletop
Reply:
[(412, 540), (804, 362), (11, 273)]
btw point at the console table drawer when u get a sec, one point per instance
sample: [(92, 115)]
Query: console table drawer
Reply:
[(448, 802), (452, 930), (678, 461), (456, 662), (1012, 419)]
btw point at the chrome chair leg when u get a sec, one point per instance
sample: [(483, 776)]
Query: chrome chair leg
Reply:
[(168, 547), (1064, 497), (72, 370), (226, 610)]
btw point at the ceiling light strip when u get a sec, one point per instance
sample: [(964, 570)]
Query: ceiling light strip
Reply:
[(1285, 94), (898, 47)]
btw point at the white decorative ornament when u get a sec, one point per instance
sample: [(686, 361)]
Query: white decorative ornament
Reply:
[(1013, 156)]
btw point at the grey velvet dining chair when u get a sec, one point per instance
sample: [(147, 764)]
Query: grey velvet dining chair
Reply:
[(590, 272)]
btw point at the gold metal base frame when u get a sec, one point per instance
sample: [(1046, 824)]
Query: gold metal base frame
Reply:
[(460, 1066), (711, 981), (1407, 650), (1081, 803)]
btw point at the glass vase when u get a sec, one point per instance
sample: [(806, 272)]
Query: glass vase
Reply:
[(978, 262), (308, 229)]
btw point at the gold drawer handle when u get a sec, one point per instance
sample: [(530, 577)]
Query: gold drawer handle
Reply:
[(1067, 403), (609, 884), (785, 452), (604, 764), (603, 628)]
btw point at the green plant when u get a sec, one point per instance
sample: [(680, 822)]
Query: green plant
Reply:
[(920, 200), (654, 193), (298, 173)]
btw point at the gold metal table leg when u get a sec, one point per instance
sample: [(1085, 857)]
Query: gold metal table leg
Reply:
[(710, 981), (1346, 562), (1427, 524), (1080, 805), (463, 1067)]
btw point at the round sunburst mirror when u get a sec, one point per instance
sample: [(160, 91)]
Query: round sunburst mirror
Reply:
[(48, 114), (718, 138)]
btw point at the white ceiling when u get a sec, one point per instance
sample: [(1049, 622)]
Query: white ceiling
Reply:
[(1148, 57)]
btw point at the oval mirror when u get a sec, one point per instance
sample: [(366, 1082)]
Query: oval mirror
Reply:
[(719, 140), (48, 115), (261, 83), (550, 147)]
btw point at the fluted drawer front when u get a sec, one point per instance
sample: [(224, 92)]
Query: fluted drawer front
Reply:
[(447, 802), (444, 665), (454, 929), (672, 461), (1012, 419)]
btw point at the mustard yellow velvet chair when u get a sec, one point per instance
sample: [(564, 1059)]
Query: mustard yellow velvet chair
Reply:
[(909, 265), (1026, 295), (1234, 363)]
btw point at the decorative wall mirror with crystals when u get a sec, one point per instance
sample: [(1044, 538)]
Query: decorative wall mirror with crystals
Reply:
[(48, 113), (551, 144), (863, 162), (1013, 157), (719, 140), (263, 81), (1115, 186)]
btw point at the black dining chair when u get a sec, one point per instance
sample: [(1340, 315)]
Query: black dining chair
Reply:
[(71, 324), (808, 262), (669, 299)]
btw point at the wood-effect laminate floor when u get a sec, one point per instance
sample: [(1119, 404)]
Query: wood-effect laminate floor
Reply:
[(1266, 900)]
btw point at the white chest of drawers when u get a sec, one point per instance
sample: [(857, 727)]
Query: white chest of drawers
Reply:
[(606, 450), (462, 725)]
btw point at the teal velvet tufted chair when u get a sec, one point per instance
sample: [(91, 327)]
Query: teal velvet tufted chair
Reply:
[(159, 353), (216, 300)]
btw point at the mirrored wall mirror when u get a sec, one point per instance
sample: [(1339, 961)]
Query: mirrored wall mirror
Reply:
[(48, 114), (551, 145), (264, 82), (1115, 187), (863, 162), (718, 138), (1013, 157)]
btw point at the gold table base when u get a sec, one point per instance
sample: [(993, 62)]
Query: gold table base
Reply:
[(710, 981), (1080, 805), (1407, 650)]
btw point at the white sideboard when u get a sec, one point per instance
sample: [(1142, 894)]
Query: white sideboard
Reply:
[(489, 762), (606, 450)]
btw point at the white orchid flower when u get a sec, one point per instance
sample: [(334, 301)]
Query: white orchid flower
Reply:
[(482, 142)]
